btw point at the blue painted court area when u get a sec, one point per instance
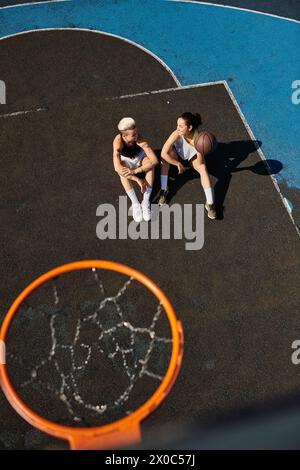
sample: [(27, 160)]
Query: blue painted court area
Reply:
[(257, 55)]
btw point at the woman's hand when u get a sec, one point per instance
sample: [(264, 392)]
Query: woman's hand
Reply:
[(143, 185), (180, 167), (126, 172)]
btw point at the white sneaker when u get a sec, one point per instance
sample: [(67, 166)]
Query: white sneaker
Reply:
[(137, 213), (146, 212)]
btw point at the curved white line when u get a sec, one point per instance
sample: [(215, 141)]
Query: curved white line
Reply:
[(34, 3), (162, 63), (235, 8), (179, 1)]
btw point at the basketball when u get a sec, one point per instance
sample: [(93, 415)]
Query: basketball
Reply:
[(205, 143)]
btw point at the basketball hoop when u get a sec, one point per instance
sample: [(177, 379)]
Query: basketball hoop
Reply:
[(126, 430)]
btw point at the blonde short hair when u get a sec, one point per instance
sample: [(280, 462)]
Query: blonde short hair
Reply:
[(126, 123)]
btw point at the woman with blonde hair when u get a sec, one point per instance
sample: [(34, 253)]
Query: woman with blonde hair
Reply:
[(132, 156)]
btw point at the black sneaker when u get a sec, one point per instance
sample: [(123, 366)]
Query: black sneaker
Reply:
[(211, 211), (163, 197)]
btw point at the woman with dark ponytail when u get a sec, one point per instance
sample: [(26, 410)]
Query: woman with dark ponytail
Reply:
[(180, 145)]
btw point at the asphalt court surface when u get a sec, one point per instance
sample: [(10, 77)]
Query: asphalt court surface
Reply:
[(54, 67), (231, 296), (236, 297)]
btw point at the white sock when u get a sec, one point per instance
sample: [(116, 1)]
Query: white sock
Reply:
[(209, 193), (132, 196), (147, 194), (163, 182)]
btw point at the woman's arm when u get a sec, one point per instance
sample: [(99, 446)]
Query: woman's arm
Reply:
[(166, 150), (152, 159), (117, 147)]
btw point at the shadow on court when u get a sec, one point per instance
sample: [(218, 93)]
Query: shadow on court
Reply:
[(222, 163)]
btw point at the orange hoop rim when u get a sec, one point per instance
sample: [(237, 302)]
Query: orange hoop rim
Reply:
[(124, 430)]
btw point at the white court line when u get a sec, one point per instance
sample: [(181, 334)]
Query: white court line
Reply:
[(121, 97), (178, 1), (235, 8), (163, 64), (154, 92), (22, 113), (34, 3), (96, 31), (261, 154)]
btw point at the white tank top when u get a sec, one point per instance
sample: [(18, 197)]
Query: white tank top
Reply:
[(185, 150)]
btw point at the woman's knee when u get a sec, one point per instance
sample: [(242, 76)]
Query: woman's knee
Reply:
[(200, 168), (164, 166)]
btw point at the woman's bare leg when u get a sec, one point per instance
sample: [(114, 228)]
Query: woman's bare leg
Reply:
[(199, 165)]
